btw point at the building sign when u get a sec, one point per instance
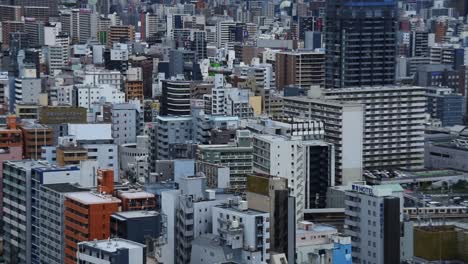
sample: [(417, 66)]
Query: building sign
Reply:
[(363, 189)]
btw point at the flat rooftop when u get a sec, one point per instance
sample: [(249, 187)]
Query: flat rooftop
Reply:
[(92, 198), (135, 195), (65, 187), (135, 214), (112, 245)]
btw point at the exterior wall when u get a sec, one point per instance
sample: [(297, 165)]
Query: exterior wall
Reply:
[(87, 222), (393, 135), (347, 120), (34, 140), (450, 157)]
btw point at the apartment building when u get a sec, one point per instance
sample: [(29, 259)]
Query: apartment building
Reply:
[(300, 68), (87, 217)]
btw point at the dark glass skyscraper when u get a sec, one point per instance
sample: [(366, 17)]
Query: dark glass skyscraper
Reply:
[(360, 42)]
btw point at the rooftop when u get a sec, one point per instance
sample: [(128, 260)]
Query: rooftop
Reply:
[(90, 131), (64, 187), (92, 198), (112, 245), (135, 195), (135, 214)]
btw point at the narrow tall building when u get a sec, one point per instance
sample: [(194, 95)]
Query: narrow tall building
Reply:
[(360, 42)]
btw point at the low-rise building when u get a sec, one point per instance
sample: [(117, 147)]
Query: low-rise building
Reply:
[(112, 251)]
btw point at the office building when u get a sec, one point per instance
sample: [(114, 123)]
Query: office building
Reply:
[(369, 30), (167, 132), (133, 157), (300, 68), (9, 27), (27, 111), (198, 44), (445, 106), (58, 118), (113, 251), (35, 31), (373, 219)]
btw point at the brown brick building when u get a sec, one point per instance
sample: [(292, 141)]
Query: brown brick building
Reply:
[(134, 90), (87, 217), (35, 136), (300, 68)]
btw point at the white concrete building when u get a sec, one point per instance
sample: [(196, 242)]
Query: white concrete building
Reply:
[(242, 228), (189, 215), (97, 139), (112, 251), (96, 77), (133, 157), (226, 100), (223, 34), (291, 158), (86, 95), (373, 220), (393, 124), (27, 90), (344, 128), (127, 122)]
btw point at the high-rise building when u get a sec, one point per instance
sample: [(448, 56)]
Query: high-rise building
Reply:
[(343, 126), (419, 43), (10, 13), (237, 156), (175, 98), (51, 5), (360, 41), (22, 181), (9, 27), (120, 34), (373, 220), (393, 124), (198, 44), (35, 31), (11, 146), (52, 218), (300, 68)]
